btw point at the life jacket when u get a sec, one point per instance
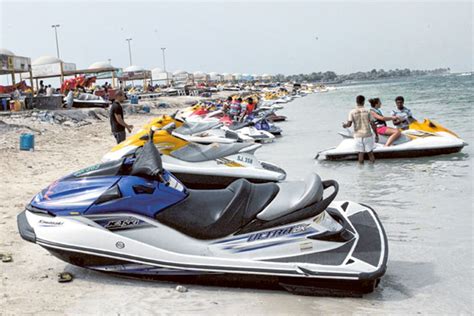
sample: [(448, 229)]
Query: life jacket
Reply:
[(378, 123), (250, 107)]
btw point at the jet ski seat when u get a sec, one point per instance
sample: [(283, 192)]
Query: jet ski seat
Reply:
[(189, 128), (237, 126), (110, 168), (400, 140), (209, 214), (194, 152), (293, 196)]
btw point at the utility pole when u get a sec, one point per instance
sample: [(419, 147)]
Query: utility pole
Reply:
[(129, 50), (55, 27)]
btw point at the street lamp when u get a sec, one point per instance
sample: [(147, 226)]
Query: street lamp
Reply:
[(55, 27), (129, 50), (164, 64), (164, 60)]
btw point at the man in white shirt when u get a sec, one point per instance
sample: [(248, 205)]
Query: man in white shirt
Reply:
[(403, 115), (363, 124)]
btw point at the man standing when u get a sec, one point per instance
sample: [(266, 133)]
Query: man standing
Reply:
[(41, 90), (116, 118), (403, 115), (49, 91), (360, 117)]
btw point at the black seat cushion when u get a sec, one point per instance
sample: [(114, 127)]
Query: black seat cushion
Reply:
[(110, 168), (209, 214)]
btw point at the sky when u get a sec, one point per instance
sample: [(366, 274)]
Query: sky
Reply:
[(246, 37)]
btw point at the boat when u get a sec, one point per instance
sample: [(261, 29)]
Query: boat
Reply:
[(135, 218), (88, 100), (422, 139)]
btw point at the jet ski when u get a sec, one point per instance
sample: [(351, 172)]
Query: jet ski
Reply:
[(213, 165), (262, 124), (134, 218), (421, 139), (203, 132), (88, 100), (271, 116), (250, 129)]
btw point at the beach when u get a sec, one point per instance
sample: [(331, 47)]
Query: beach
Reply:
[(425, 205)]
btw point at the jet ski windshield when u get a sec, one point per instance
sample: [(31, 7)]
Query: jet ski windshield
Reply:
[(148, 163)]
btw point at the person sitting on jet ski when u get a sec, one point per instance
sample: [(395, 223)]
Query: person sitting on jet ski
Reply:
[(380, 122), (226, 105), (235, 109), (247, 109), (403, 115)]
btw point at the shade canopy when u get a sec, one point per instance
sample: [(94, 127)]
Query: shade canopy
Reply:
[(46, 60), (4, 51), (100, 65), (133, 68), (179, 72)]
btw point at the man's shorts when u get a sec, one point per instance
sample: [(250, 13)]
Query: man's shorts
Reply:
[(120, 136), (364, 144)]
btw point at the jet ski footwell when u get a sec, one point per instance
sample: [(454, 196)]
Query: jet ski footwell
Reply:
[(336, 272)]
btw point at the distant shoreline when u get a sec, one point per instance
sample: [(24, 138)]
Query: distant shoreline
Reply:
[(330, 77)]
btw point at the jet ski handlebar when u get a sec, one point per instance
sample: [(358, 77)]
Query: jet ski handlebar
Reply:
[(168, 127)]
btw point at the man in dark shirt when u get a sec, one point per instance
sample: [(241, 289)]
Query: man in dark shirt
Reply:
[(116, 118)]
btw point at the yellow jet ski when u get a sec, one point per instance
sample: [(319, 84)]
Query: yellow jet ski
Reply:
[(214, 165), (422, 139)]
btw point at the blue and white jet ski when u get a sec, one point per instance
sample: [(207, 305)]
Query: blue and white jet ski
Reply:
[(132, 217)]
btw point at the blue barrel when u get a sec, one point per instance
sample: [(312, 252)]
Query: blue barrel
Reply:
[(146, 109), (134, 99), (27, 141), (4, 105)]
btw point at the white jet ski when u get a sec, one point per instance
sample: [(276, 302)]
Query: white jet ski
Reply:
[(422, 139), (133, 217)]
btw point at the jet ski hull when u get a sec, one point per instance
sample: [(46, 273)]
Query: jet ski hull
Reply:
[(409, 153), (434, 145), (90, 104), (277, 118), (349, 264)]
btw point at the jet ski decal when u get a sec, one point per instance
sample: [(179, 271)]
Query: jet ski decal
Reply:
[(262, 239), (122, 223)]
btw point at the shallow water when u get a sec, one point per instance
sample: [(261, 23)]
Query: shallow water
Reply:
[(425, 204)]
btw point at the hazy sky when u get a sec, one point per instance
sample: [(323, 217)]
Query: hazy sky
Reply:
[(246, 37)]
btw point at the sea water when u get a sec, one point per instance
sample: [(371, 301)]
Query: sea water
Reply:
[(425, 204)]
